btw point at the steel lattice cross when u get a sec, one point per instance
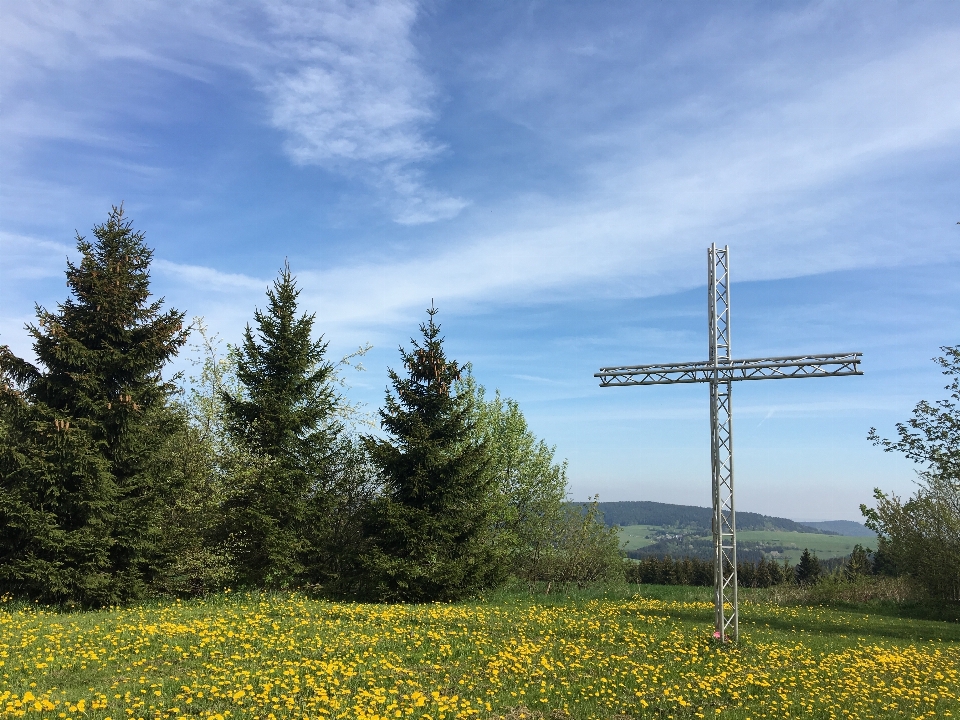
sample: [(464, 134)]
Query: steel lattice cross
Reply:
[(720, 371)]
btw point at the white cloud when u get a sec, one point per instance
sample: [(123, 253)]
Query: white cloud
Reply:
[(208, 279), (348, 87), (341, 78), (345, 84), (641, 229), (29, 258), (350, 94)]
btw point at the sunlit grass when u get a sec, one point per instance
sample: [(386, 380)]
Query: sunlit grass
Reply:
[(585, 655)]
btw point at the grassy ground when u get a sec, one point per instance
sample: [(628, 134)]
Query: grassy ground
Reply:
[(590, 654), (638, 536), (825, 546)]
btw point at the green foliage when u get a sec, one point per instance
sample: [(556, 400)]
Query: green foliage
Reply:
[(581, 549), (284, 416), (83, 490), (920, 536), (543, 536), (530, 488), (335, 529), (57, 502), (858, 564), (196, 563), (288, 402), (808, 571), (699, 572), (332, 529), (692, 519), (430, 531)]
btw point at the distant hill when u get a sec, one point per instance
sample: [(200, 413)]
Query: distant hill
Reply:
[(841, 527), (643, 512)]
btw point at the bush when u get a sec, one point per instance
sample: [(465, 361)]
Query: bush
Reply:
[(920, 537), (584, 551)]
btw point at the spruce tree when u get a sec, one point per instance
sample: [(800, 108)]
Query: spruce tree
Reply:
[(430, 532), (81, 495), (285, 413), (858, 563), (763, 578), (808, 570)]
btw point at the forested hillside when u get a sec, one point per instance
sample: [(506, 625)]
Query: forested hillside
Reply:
[(843, 527), (691, 517)]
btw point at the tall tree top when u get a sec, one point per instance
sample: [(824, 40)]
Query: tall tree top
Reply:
[(426, 390), (286, 378), (106, 344)]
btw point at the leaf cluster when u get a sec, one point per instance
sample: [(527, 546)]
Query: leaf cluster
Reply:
[(920, 536)]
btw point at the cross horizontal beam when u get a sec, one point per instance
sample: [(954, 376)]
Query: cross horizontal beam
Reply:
[(774, 368)]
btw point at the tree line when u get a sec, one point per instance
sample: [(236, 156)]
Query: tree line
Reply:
[(120, 483), (762, 573), (694, 520)]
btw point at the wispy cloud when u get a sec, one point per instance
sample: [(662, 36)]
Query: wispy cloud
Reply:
[(28, 258), (350, 94), (341, 79), (348, 87), (766, 179), (208, 279), (345, 85)]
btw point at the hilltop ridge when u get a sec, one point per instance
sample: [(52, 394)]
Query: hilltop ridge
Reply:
[(645, 512)]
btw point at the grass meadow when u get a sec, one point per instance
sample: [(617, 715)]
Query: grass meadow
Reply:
[(824, 546), (588, 654)]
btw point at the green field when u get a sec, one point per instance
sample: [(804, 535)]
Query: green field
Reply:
[(607, 654), (638, 536), (825, 546)]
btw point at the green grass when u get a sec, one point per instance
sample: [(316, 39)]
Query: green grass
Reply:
[(825, 546), (638, 536), (597, 653)]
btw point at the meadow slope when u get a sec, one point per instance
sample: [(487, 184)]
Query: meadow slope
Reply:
[(605, 655), (787, 545)]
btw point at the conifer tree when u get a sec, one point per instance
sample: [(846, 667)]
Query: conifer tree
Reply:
[(285, 412), (763, 577), (430, 531), (858, 563), (81, 497), (777, 573), (808, 570)]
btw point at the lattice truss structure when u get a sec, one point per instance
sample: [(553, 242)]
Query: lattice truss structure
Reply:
[(720, 371)]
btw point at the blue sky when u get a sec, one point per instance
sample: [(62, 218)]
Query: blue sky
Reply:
[(551, 174)]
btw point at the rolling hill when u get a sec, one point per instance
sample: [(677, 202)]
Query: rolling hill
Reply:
[(843, 527), (651, 529), (691, 517)]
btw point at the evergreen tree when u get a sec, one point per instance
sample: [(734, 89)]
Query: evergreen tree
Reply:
[(808, 570), (777, 573), (858, 563), (430, 532), (763, 575), (82, 491), (284, 413)]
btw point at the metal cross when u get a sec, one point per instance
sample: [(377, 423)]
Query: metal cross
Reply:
[(720, 371)]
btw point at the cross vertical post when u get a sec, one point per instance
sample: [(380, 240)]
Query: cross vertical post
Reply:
[(721, 446)]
